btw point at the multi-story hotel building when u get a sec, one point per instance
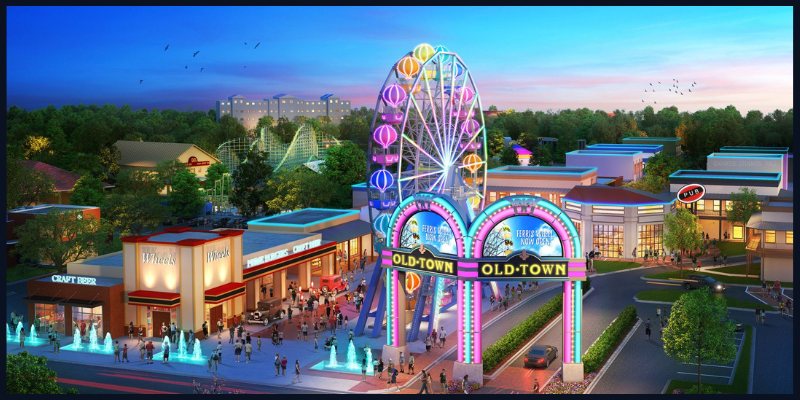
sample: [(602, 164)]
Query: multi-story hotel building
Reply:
[(248, 112)]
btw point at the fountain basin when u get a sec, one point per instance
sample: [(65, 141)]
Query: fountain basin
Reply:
[(342, 367), (187, 359)]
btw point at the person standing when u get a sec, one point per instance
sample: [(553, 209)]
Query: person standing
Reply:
[(435, 337), (364, 369), (647, 329), (149, 347), (443, 381), (141, 333), (22, 338), (443, 335), (411, 364), (658, 314), (402, 362), (535, 385), (166, 355), (205, 329), (465, 384), (393, 379), (232, 331), (284, 364), (237, 350), (424, 380), (428, 344), (116, 352), (297, 371), (277, 363), (380, 368), (248, 351), (174, 333), (305, 331), (130, 330), (219, 351)]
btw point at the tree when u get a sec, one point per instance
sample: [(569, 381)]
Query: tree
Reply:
[(508, 156), (743, 205), (29, 374), (345, 165), (682, 231), (300, 188), (167, 170), (492, 107), (657, 172), (698, 330), (494, 139), (186, 198), (285, 129), (250, 190), (88, 191), (25, 186), (215, 174), (264, 122), (109, 160), (135, 206), (57, 237)]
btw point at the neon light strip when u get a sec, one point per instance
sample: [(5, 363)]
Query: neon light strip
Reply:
[(390, 338), (468, 321), (567, 320), (477, 332), (460, 324), (396, 291), (578, 316)]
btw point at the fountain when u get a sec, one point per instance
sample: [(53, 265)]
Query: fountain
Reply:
[(76, 340), (332, 363), (368, 352), (351, 357), (197, 353), (108, 344), (8, 332), (19, 329), (93, 339), (181, 346), (165, 343), (33, 335)]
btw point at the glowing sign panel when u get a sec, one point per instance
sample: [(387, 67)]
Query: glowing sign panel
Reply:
[(424, 261), (522, 265), (691, 193)]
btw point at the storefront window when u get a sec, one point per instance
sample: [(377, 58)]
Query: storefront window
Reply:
[(50, 314), (769, 236), (728, 205), (738, 232), (354, 253), (577, 226), (609, 239), (701, 205), (88, 316), (650, 239), (717, 205), (316, 267), (789, 237)]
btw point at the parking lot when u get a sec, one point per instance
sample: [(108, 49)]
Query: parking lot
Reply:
[(714, 373)]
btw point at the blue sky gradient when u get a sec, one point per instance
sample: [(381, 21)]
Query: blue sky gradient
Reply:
[(542, 58)]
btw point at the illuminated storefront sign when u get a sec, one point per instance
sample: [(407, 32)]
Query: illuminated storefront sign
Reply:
[(691, 193), (151, 257), (194, 163), (522, 265), (306, 245), (215, 255), (76, 280), (282, 253), (425, 261)]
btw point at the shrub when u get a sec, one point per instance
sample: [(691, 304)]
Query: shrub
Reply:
[(521, 333), (454, 387), (600, 350)]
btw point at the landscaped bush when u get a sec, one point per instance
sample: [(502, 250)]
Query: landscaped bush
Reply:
[(517, 336), (454, 387), (600, 350)]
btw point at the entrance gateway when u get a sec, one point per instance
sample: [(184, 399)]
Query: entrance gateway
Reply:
[(516, 238)]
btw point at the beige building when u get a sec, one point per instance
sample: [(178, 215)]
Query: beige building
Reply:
[(771, 237), (550, 183), (147, 155)]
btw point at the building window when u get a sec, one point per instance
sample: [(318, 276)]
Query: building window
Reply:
[(650, 240), (717, 205), (88, 315), (769, 236), (650, 210), (728, 205), (50, 314), (572, 206), (608, 210), (577, 226), (789, 237), (492, 197), (609, 240), (738, 232)]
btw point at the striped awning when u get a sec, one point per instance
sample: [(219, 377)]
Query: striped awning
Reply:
[(153, 298), (224, 292)]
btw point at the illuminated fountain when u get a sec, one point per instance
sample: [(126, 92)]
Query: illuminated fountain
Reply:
[(350, 366), (93, 339), (181, 346), (108, 344), (351, 357), (31, 339), (19, 329), (76, 340), (197, 351), (94, 347), (332, 363), (9, 337), (182, 355), (33, 335)]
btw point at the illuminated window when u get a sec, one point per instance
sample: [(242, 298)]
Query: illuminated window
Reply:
[(701, 205), (769, 236), (650, 210), (650, 239), (717, 205), (608, 210), (789, 237), (738, 232), (572, 206), (609, 240), (728, 205)]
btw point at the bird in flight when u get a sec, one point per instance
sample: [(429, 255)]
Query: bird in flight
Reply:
[(690, 90), (670, 89), (659, 82), (257, 44), (140, 81), (244, 66), (245, 43), (655, 102), (185, 67), (681, 93), (201, 69), (642, 100), (651, 83), (195, 53), (166, 47)]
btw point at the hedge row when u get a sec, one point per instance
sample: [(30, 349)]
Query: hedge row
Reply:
[(600, 350), (517, 336)]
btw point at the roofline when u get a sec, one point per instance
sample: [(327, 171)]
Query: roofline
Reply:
[(345, 213), (587, 170), (618, 204)]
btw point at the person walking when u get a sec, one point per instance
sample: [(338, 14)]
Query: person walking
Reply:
[(22, 338), (205, 329), (424, 380), (305, 331), (411, 364), (443, 381), (232, 331), (149, 348), (402, 362), (434, 337), (428, 343), (465, 384), (647, 329), (364, 369), (116, 352), (284, 363), (125, 353), (277, 363), (164, 329), (258, 343), (535, 385), (280, 337), (443, 335), (248, 351), (130, 330), (393, 379), (237, 350), (380, 368), (296, 372), (141, 333)]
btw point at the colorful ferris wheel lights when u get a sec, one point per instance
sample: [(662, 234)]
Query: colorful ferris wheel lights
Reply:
[(384, 135), (394, 95)]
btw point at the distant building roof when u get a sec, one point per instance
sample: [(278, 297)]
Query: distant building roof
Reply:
[(63, 180), (46, 208), (326, 96), (651, 139), (616, 195), (150, 154), (742, 178), (753, 149), (543, 170), (304, 217)]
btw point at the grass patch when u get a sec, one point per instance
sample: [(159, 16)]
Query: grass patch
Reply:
[(26, 271), (601, 349), (740, 378), (731, 248), (740, 269), (738, 280), (611, 266), (669, 296)]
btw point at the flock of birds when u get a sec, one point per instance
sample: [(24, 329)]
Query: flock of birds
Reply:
[(673, 88), (194, 55)]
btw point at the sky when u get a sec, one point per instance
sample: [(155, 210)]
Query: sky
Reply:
[(539, 58)]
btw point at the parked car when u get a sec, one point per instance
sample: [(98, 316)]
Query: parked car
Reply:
[(540, 356), (331, 283), (699, 281)]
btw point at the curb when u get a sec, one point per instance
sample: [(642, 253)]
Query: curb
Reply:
[(670, 303), (752, 361), (644, 278), (666, 385), (624, 270), (613, 357), (448, 353)]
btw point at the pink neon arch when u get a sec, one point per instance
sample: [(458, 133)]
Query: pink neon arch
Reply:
[(413, 208), (550, 219)]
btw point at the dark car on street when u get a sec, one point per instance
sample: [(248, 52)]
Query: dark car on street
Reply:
[(699, 281), (540, 356)]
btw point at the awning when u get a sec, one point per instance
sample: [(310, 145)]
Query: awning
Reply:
[(224, 292), (61, 300), (288, 261), (152, 298)]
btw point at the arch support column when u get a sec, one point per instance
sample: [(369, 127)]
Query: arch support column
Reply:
[(395, 317), (571, 328), (470, 359)]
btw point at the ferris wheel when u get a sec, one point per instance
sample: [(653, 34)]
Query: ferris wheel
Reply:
[(428, 135)]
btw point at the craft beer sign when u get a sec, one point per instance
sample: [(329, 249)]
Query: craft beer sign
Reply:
[(423, 260), (522, 265), (691, 193)]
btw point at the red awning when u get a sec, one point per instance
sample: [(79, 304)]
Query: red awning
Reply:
[(153, 298), (224, 292)]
